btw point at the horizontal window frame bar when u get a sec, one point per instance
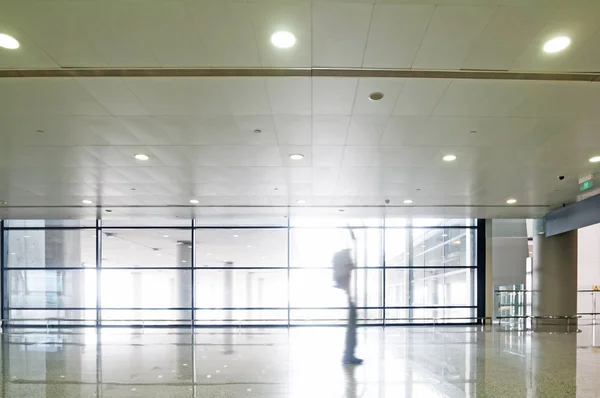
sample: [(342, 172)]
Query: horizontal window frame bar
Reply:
[(239, 308), (212, 227), (386, 267)]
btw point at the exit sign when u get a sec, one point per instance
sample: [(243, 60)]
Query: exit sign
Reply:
[(584, 186)]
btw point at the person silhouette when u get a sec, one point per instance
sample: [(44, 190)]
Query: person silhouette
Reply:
[(343, 264)]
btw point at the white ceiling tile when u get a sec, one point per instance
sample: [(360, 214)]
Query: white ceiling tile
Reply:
[(225, 29), (340, 33), (193, 130), (327, 156), (483, 97), (60, 96), (290, 96), (395, 35), (177, 96), (451, 35), (419, 97), (29, 54), (401, 130), (507, 35), (366, 130), (358, 156), (246, 96), (330, 130), (333, 96), (113, 95), (147, 129), (247, 125), (390, 87), (293, 129), (268, 18)]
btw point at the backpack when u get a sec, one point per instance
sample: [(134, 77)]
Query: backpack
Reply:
[(342, 266)]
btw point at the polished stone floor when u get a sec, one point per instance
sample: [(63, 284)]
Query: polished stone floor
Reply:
[(301, 363)]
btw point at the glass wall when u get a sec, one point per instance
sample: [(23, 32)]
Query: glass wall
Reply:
[(186, 272)]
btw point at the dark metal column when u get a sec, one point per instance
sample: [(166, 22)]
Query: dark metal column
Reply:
[(481, 285)]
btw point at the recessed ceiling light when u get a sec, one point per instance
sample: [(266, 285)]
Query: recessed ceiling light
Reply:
[(276, 189), (301, 201), (511, 201), (257, 131), (408, 202), (165, 236), (557, 44), (40, 131), (8, 42), (194, 201), (595, 159), (87, 202), (141, 156), (296, 156), (236, 236), (341, 210), (376, 96), (283, 39), (449, 158)]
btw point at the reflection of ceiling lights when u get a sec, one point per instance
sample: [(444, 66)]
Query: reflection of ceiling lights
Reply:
[(557, 44), (8, 42), (283, 39), (87, 202)]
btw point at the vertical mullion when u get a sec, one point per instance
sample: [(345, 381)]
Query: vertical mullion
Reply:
[(384, 281), (98, 272), (193, 278), (289, 241), (3, 271), (481, 285), (411, 264)]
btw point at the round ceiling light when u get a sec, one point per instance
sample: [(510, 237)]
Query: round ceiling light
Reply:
[(449, 158), (511, 201), (557, 44), (296, 156), (141, 156), (8, 42), (376, 96), (408, 202), (595, 159), (194, 201), (87, 202), (283, 39), (301, 201)]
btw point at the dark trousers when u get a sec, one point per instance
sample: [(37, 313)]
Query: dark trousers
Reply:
[(350, 331)]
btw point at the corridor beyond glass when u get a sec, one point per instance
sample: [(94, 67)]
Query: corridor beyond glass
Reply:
[(185, 272)]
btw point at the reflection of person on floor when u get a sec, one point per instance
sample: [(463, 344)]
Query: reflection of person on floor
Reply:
[(350, 381), (343, 264)]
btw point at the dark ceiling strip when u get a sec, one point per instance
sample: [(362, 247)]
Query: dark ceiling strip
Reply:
[(300, 72)]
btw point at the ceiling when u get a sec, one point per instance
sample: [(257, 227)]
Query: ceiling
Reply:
[(66, 139)]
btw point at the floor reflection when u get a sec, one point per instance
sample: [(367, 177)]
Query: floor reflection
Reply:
[(302, 362)]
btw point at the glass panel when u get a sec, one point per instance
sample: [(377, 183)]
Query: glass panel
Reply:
[(146, 248), (327, 316), (241, 216), (148, 222), (396, 247), (314, 288), (153, 317), (242, 247), (430, 287), (443, 247), (52, 288), (241, 317), (314, 247), (428, 316), (56, 248), (146, 288), (241, 288), (49, 223), (53, 317)]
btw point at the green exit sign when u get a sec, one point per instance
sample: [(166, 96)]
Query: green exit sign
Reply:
[(584, 186)]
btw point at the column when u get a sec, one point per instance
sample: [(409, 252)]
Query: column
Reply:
[(183, 291), (228, 303), (554, 277)]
